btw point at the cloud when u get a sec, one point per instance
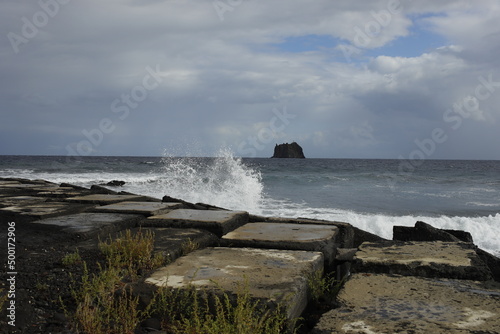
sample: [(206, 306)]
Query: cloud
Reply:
[(221, 79)]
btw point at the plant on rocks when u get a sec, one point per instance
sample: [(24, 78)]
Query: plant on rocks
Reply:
[(214, 312), (132, 253)]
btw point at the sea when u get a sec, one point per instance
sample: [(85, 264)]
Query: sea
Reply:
[(371, 194)]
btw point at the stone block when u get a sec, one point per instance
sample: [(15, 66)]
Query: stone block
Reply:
[(170, 242), (31, 212), (278, 276), (19, 200), (377, 303), (142, 208), (218, 222), (427, 259), (103, 199), (346, 231), (308, 237), (88, 225)]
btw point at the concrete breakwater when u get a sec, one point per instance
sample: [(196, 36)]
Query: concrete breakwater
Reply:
[(436, 283)]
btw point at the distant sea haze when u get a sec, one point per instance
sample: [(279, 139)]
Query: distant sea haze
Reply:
[(371, 194)]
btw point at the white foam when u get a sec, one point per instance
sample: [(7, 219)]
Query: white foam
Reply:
[(223, 181), (485, 230)]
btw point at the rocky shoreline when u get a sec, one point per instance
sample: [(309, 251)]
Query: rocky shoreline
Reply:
[(426, 280)]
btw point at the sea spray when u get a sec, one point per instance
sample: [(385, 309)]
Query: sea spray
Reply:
[(222, 181)]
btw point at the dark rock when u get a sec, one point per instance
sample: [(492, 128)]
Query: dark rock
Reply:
[(491, 261), (422, 232), (95, 189), (115, 183), (187, 205), (461, 235), (286, 150), (361, 236)]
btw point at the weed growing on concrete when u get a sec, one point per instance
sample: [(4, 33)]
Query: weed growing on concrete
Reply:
[(132, 253), (104, 302), (323, 286), (192, 311), (189, 246)]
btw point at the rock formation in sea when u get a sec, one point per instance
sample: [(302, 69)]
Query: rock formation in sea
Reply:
[(286, 150)]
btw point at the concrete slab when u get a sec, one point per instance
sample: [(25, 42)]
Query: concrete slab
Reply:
[(103, 199), (24, 188), (88, 225), (346, 231), (19, 200), (63, 192), (171, 242), (218, 222), (309, 237), (377, 304), (278, 276), (142, 208), (31, 212), (427, 259), (8, 182)]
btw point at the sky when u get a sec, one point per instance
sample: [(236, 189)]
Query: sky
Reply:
[(392, 79)]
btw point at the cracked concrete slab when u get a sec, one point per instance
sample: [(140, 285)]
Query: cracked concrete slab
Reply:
[(143, 208), (31, 212), (279, 276), (218, 222), (104, 199), (310, 237), (88, 225), (419, 258)]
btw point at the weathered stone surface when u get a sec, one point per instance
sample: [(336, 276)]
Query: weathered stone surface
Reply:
[(9, 187), (379, 304), (171, 242), (279, 276), (19, 200), (216, 221), (286, 150), (309, 237), (142, 208), (62, 192), (361, 236), (427, 259), (31, 212), (346, 231), (88, 225), (104, 199)]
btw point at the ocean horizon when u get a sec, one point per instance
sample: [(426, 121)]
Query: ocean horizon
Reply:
[(372, 194)]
